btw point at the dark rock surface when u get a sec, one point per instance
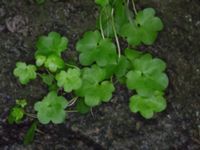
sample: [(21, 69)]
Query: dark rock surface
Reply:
[(112, 126)]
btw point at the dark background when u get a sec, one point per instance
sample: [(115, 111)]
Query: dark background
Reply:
[(112, 126)]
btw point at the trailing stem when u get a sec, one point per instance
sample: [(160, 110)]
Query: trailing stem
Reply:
[(134, 7), (100, 24), (115, 33)]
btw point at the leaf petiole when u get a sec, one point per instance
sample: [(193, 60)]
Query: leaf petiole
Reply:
[(134, 7), (73, 66), (115, 33), (100, 24), (31, 115)]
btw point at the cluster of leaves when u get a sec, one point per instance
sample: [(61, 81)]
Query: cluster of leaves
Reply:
[(17, 112), (101, 63)]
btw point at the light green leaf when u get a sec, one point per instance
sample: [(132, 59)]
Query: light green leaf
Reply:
[(69, 80), (16, 114), (51, 108), (21, 102), (94, 75), (147, 105), (93, 48), (144, 29), (53, 44), (53, 63), (24, 72)]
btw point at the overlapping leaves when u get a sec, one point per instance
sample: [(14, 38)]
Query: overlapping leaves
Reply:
[(147, 74), (149, 80), (49, 50), (94, 89)]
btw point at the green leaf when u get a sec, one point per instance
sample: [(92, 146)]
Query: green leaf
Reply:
[(53, 44), (53, 63), (89, 41), (82, 107), (16, 114), (147, 105), (94, 94), (121, 14), (144, 29), (136, 80), (47, 79), (132, 54), (147, 65), (40, 60), (105, 20), (93, 48), (147, 74), (51, 108), (102, 2), (131, 33), (106, 53), (69, 80), (24, 72), (29, 136), (122, 67), (21, 102), (94, 75)]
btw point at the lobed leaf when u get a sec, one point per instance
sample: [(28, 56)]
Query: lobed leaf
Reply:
[(51, 108), (24, 72), (144, 29), (69, 80), (147, 105)]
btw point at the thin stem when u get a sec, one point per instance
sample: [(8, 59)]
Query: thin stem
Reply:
[(128, 13), (115, 33), (72, 101), (100, 24), (31, 115), (71, 111), (134, 7), (73, 66), (39, 131)]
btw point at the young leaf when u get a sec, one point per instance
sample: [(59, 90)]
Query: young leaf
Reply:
[(21, 103), (70, 80), (147, 105), (144, 29), (53, 63), (24, 72), (16, 114), (29, 136), (51, 108)]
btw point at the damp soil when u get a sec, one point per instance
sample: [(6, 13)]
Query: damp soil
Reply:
[(112, 126)]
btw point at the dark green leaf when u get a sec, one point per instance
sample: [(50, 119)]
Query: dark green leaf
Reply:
[(29, 136)]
